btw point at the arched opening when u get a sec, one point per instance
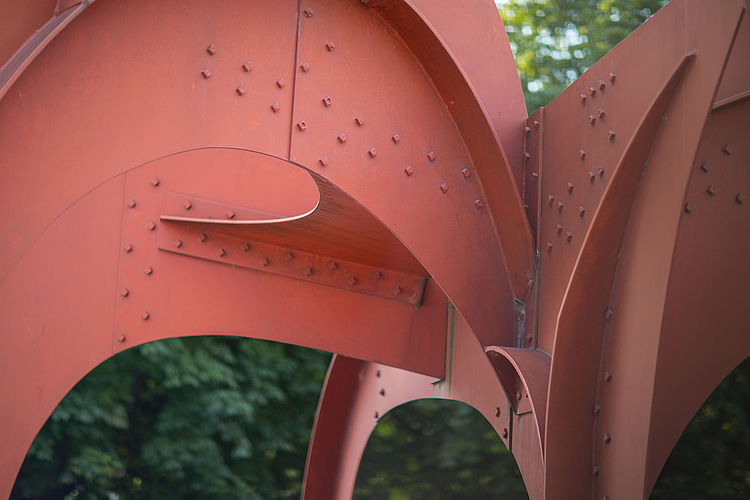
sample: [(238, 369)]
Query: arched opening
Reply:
[(437, 448), (191, 417), (712, 457)]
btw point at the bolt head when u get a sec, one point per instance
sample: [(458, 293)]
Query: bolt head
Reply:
[(740, 198), (570, 187), (353, 280), (211, 49), (612, 77), (131, 204), (408, 170), (305, 67), (592, 176), (206, 73), (124, 292), (395, 138), (245, 246), (581, 211), (444, 187), (688, 208), (595, 470), (549, 246), (569, 236), (202, 237), (128, 248), (151, 226), (332, 266), (230, 214), (121, 337), (602, 113), (597, 409), (601, 171), (178, 243), (431, 155), (302, 125), (710, 189), (377, 275), (550, 199), (241, 90), (478, 204), (397, 290), (359, 121), (247, 66), (327, 100), (609, 314), (727, 149), (611, 135), (281, 83), (264, 262), (465, 172), (148, 270), (275, 107), (607, 438), (341, 138), (592, 119), (607, 376), (592, 91), (372, 152), (308, 271), (583, 98), (154, 182), (287, 256), (323, 160), (560, 206), (188, 205), (581, 154), (558, 229), (505, 433), (145, 316), (221, 252), (308, 12), (330, 46)]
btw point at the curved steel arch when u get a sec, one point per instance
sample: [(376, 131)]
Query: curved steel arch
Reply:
[(141, 143)]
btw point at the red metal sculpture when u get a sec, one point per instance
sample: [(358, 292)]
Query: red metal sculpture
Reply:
[(361, 177)]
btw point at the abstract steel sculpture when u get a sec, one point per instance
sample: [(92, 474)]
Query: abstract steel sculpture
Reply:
[(580, 277)]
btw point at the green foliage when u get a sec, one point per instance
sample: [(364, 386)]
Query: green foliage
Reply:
[(437, 449), (556, 41), (197, 417)]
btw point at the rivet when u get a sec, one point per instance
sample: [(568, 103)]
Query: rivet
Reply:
[(609, 314), (288, 255), (595, 470), (705, 166), (601, 171), (327, 100), (382, 392), (592, 119), (241, 90), (359, 121), (305, 67), (529, 339), (230, 214), (302, 125), (397, 290), (602, 84), (583, 98), (497, 411), (611, 136), (602, 113), (187, 205), (377, 275), (308, 12), (550, 199), (534, 176), (308, 271), (607, 438), (710, 189), (131, 203), (740, 198), (505, 433), (376, 415), (518, 395), (377, 373), (221, 252), (395, 138), (581, 211), (151, 226), (202, 237), (178, 243), (612, 77), (330, 46), (341, 138), (332, 266), (592, 176), (206, 73), (607, 376), (431, 155), (145, 315), (121, 337), (444, 187), (560, 206), (247, 66), (536, 124), (124, 292), (592, 91), (211, 49), (549, 246), (465, 172), (688, 208), (408, 170), (526, 156), (264, 262), (245, 246), (154, 182), (570, 187), (280, 83), (569, 236), (372, 152), (558, 228), (527, 131), (353, 280), (581, 154), (727, 149), (275, 107), (597, 410), (478, 204), (323, 160), (128, 248)]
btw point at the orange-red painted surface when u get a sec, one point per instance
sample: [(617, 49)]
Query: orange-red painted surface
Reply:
[(361, 177)]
